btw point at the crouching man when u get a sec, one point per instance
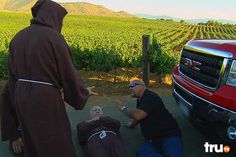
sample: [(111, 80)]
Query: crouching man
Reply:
[(159, 128)]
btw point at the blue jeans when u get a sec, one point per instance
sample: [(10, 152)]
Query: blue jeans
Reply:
[(171, 147)]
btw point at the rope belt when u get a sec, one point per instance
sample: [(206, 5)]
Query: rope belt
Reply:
[(102, 134), (33, 81)]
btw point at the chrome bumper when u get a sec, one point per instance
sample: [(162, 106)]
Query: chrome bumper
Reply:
[(195, 107)]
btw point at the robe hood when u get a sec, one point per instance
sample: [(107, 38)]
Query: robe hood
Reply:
[(49, 13)]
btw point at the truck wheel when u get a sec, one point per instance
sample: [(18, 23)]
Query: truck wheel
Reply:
[(227, 133)]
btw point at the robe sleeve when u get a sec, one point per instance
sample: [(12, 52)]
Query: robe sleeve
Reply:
[(9, 122), (109, 122), (11, 77), (75, 93)]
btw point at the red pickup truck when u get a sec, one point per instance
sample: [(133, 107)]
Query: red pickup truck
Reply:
[(205, 84)]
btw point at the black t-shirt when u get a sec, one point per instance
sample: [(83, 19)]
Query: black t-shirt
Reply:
[(159, 123)]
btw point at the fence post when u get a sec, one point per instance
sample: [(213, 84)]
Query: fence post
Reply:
[(145, 56)]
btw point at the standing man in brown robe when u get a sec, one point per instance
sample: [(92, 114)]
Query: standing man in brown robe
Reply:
[(40, 65)]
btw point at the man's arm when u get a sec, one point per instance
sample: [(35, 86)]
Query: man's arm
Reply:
[(135, 114), (131, 124)]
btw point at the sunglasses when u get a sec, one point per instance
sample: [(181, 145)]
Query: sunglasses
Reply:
[(133, 84)]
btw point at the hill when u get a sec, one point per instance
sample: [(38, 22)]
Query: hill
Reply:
[(80, 8), (91, 9), (203, 20)]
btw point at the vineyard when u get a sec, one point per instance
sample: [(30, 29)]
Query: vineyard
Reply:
[(103, 43)]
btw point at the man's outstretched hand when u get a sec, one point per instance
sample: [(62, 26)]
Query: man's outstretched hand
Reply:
[(129, 125), (119, 103), (90, 91)]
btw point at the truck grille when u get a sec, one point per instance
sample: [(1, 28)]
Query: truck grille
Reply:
[(200, 67)]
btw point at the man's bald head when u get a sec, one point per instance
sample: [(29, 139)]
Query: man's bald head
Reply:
[(137, 87), (137, 81), (96, 111)]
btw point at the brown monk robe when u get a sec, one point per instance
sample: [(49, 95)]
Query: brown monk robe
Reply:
[(9, 123), (40, 65), (99, 137)]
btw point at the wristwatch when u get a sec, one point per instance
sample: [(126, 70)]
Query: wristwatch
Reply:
[(123, 108)]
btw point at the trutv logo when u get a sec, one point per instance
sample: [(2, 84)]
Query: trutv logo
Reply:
[(217, 148)]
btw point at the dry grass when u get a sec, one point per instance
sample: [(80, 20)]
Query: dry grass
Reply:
[(111, 84)]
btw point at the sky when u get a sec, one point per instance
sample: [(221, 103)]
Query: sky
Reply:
[(188, 9)]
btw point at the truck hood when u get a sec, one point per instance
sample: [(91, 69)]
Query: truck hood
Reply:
[(226, 45)]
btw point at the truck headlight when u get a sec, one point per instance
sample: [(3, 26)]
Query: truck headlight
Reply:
[(231, 80)]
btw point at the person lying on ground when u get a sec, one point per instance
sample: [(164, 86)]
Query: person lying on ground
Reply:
[(100, 136)]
